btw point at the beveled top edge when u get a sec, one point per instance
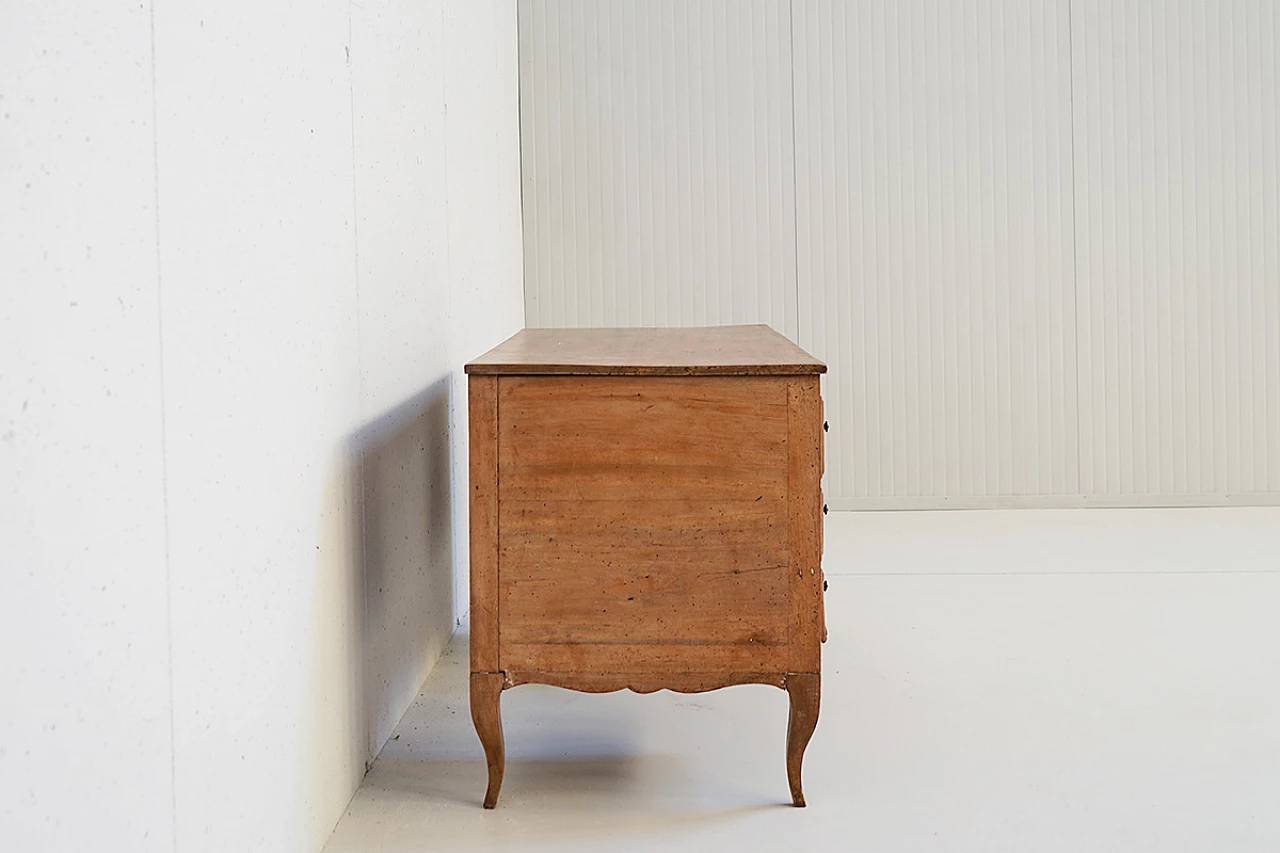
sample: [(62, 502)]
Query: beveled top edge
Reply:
[(685, 351)]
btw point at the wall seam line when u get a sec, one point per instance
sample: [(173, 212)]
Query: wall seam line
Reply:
[(360, 396), (1075, 243), (521, 11), (795, 179), (450, 342), (1056, 574), (164, 438)]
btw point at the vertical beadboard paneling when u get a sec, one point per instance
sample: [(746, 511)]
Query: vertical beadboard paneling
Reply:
[(933, 162), (1178, 217), (1038, 241), (657, 159)]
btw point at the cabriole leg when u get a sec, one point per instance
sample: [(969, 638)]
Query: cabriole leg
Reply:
[(804, 690), (486, 695)]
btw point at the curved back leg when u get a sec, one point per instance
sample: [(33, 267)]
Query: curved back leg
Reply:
[(804, 690), (486, 695)]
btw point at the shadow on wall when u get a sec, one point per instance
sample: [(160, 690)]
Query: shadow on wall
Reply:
[(383, 594), (404, 548)]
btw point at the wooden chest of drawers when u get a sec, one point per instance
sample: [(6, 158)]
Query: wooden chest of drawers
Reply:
[(646, 514)]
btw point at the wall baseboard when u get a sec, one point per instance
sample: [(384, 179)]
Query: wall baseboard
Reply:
[(1051, 502)]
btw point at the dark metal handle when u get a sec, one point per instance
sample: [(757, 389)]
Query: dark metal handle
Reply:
[(826, 427), (824, 509)]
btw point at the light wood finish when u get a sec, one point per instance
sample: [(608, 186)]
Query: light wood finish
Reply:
[(646, 682), (482, 393), (643, 657), (804, 690), (710, 351), (655, 526), (601, 438), (486, 699), (804, 448), (644, 571)]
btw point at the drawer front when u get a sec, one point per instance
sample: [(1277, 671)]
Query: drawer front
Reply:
[(643, 523)]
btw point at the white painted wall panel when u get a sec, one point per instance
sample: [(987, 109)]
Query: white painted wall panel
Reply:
[(657, 163), (85, 752), (262, 390), (1177, 139), (312, 340), (244, 253), (933, 150), (402, 446), (486, 259), (1036, 240)]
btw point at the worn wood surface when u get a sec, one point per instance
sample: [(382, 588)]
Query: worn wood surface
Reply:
[(644, 571), (482, 406), (651, 520), (804, 446), (598, 438), (646, 682), (486, 700), (643, 657), (804, 690), (714, 350)]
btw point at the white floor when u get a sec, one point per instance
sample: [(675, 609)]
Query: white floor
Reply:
[(1030, 680)]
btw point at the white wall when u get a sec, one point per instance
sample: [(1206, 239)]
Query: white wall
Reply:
[(85, 715), (486, 260), (1034, 239), (261, 353), (267, 371), (659, 182), (1177, 140), (934, 157)]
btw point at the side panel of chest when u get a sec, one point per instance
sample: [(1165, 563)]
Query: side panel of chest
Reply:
[(643, 523)]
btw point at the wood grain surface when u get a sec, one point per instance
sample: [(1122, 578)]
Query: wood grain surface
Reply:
[(804, 445), (630, 658), (646, 514), (486, 700), (646, 682), (712, 350), (482, 406), (644, 571), (599, 438), (804, 690)]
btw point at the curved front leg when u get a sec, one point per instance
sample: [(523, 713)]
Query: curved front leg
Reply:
[(804, 690), (486, 695)]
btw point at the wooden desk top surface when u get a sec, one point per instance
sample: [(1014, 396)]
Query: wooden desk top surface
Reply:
[(701, 351)]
